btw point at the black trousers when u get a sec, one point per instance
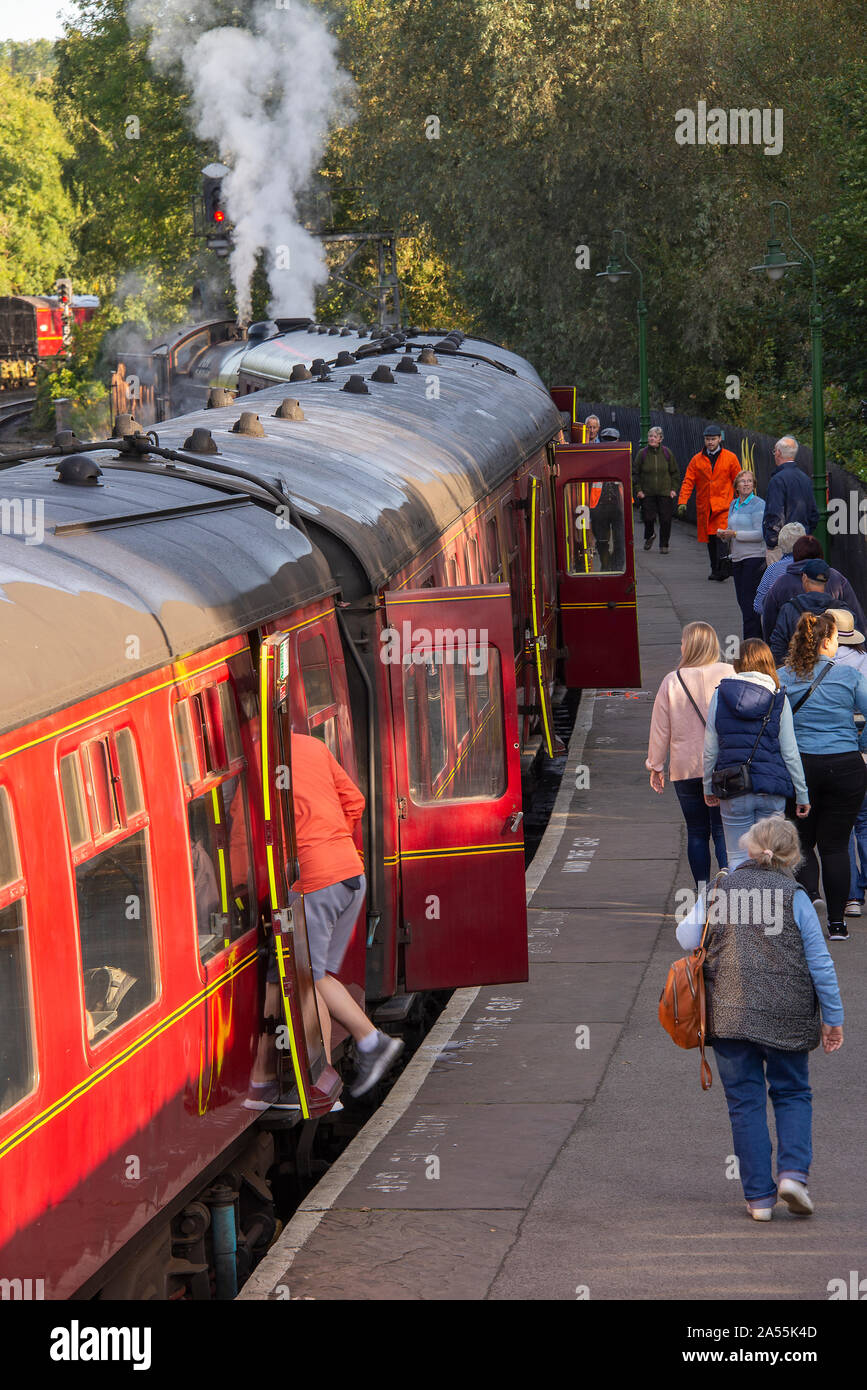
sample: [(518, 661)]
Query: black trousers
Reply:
[(746, 574), (715, 550), (606, 523), (663, 507), (836, 783)]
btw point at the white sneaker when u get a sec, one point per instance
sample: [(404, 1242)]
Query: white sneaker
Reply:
[(795, 1196), (853, 908), (761, 1213)]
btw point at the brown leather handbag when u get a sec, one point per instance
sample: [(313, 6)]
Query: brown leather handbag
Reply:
[(682, 1001)]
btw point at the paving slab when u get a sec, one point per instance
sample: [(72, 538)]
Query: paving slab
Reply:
[(504, 1059), (449, 1157), (562, 992)]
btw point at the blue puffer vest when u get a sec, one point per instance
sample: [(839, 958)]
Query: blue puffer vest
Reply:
[(740, 708)]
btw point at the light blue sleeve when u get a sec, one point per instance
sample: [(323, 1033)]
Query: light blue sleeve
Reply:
[(861, 704), (757, 513), (690, 929), (791, 756), (711, 744), (819, 961)]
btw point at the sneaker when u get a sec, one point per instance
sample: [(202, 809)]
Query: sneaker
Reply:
[(760, 1213), (373, 1065), (663, 550), (648, 545), (838, 931), (853, 908), (821, 912), (795, 1196), (270, 1098)]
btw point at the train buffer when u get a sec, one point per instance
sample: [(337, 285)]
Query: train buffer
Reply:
[(548, 1141)]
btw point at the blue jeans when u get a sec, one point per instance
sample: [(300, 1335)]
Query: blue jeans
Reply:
[(741, 812), (858, 838), (742, 1066), (702, 822)]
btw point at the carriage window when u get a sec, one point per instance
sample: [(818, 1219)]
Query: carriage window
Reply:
[(494, 559), (451, 572), (595, 528), (17, 1070), (318, 690), (478, 771), (116, 936), (219, 832), (186, 743), (73, 800), (229, 721), (128, 763)]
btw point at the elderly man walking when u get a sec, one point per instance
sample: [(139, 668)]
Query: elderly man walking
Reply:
[(790, 496), (711, 472), (655, 480)]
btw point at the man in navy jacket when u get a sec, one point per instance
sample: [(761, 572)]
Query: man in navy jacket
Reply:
[(789, 586), (790, 494)]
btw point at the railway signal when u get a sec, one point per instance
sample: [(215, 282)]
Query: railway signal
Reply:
[(63, 290), (216, 225)]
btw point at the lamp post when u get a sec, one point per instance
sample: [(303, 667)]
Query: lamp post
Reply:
[(614, 272), (775, 266)]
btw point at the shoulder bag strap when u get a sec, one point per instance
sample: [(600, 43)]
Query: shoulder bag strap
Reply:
[(818, 681), (691, 700), (759, 737), (705, 1071)]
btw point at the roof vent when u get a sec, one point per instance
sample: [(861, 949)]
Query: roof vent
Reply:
[(392, 341), (406, 364), (357, 385), (300, 372), (65, 440), (428, 358), (345, 359), (81, 471), (249, 424), (317, 365), (333, 332), (289, 410), (314, 328), (125, 425), (201, 441), (447, 345), (322, 329), (323, 375), (346, 332), (382, 373), (217, 397)]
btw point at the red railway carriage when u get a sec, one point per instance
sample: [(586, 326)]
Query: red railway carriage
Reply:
[(167, 622), (31, 331)]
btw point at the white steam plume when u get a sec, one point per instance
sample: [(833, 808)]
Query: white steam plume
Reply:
[(266, 95)]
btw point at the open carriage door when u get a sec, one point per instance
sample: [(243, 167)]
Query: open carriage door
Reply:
[(538, 640), (596, 564), (317, 1083), (458, 772)]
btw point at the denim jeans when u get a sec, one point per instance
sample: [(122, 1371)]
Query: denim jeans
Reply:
[(739, 813), (702, 823), (858, 866), (742, 1066)]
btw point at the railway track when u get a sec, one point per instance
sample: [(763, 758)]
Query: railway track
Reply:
[(14, 412)]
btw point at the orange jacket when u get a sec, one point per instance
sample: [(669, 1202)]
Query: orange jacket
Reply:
[(328, 806), (714, 490)]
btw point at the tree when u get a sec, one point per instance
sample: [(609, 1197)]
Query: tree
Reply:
[(36, 213)]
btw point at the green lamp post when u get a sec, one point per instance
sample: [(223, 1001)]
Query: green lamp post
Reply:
[(775, 266), (614, 272)]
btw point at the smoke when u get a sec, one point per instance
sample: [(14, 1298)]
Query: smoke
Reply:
[(265, 95)]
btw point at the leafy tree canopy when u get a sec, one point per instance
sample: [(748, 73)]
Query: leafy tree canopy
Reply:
[(36, 213)]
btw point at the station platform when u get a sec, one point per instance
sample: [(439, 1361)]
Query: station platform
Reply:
[(549, 1141)]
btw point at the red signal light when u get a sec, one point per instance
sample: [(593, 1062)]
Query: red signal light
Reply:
[(219, 215)]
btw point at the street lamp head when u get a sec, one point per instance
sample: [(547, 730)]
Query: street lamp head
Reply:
[(614, 271), (774, 263)]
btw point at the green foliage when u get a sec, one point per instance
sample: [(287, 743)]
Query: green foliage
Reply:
[(135, 169), (34, 61), (36, 214)]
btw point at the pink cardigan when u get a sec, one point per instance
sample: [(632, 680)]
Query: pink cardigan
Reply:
[(676, 732)]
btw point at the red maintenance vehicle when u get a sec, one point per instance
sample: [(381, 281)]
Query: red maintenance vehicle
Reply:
[(400, 558)]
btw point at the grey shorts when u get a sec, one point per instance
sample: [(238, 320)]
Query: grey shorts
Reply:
[(331, 915)]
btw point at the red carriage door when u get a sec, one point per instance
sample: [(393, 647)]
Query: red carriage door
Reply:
[(458, 772), (538, 642), (317, 1083), (596, 564)]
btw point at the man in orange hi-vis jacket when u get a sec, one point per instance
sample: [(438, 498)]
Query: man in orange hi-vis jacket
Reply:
[(712, 473)]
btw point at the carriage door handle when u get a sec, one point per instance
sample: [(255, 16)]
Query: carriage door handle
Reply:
[(512, 822)]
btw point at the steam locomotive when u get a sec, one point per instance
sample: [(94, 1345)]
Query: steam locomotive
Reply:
[(34, 329), (399, 558)]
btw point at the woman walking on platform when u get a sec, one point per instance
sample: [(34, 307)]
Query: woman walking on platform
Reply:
[(744, 534), (825, 695), (749, 723), (677, 734), (772, 997)]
